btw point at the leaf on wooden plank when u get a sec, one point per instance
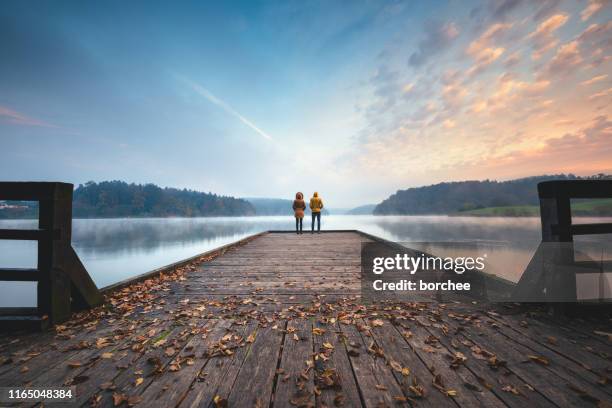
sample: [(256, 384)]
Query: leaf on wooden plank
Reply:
[(138, 381), (220, 402), (251, 337), (381, 387), (107, 386), (74, 364), (170, 351), (318, 331), (603, 333), (551, 340), (118, 398), (328, 346), (538, 359), (106, 355), (429, 349), (438, 382), (377, 322), (511, 389), (395, 365)]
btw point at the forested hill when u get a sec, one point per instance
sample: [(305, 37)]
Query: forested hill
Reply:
[(120, 199), (448, 198)]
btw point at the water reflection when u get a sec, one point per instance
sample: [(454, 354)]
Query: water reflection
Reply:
[(116, 249)]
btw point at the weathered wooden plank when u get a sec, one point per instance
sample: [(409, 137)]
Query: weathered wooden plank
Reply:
[(399, 354), (168, 390), (432, 354), (506, 386), (255, 381), (376, 383), (220, 370), (295, 379), (334, 374), (515, 358)]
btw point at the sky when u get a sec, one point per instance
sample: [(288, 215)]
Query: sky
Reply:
[(354, 99)]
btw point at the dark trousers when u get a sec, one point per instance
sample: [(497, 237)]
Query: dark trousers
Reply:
[(298, 224), (317, 216)]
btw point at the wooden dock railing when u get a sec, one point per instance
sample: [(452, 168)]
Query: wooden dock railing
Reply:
[(551, 274), (555, 208), (63, 283)]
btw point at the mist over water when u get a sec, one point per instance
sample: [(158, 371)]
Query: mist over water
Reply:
[(116, 249)]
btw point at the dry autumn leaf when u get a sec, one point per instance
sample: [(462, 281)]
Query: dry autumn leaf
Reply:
[(377, 322), (538, 359)]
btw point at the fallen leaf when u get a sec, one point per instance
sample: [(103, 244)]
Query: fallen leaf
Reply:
[(510, 388), (138, 381), (377, 322), (220, 402), (118, 398), (538, 359)]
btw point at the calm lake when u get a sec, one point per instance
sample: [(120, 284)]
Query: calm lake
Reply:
[(116, 249)]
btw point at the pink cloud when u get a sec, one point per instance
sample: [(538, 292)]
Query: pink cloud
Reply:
[(593, 8), (543, 37), (16, 118)]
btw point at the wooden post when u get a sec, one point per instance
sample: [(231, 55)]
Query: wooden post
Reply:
[(55, 219), (63, 281)]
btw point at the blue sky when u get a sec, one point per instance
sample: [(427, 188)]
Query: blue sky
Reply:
[(353, 99)]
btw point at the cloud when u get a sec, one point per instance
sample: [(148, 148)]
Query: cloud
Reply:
[(594, 79), (605, 92), (484, 49), (594, 7), (499, 123), (226, 107), (16, 118), (566, 60), (543, 37), (437, 37)]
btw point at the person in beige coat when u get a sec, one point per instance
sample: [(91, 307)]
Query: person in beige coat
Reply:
[(298, 209)]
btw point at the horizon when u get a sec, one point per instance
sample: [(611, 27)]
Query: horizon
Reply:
[(260, 100)]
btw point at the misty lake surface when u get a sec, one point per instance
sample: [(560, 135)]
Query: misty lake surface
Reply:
[(115, 249)]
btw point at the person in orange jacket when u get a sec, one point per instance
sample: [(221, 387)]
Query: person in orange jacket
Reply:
[(316, 205), (299, 206)]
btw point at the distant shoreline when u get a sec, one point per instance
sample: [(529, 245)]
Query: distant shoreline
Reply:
[(290, 216)]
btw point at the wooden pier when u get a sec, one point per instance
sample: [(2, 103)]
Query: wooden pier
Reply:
[(276, 320)]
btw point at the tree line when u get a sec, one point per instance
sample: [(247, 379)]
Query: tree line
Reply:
[(453, 197), (120, 199)]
